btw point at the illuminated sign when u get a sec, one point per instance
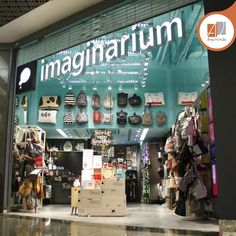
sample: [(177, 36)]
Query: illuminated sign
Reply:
[(25, 77), (95, 54)]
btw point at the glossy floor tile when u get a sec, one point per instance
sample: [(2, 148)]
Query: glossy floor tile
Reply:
[(33, 226), (137, 215)]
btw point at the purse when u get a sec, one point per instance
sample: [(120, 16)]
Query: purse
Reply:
[(122, 99), (47, 116), (107, 117), (147, 117), (135, 100), (50, 102), (69, 118), (121, 117), (97, 117), (161, 118), (81, 99), (135, 119), (108, 102), (70, 99), (96, 101), (81, 118)]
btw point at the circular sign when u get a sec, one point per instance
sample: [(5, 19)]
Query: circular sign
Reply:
[(216, 31)]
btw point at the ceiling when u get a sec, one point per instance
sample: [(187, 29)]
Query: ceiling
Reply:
[(21, 18)]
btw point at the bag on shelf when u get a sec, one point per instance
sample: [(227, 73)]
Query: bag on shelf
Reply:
[(97, 117), (108, 102), (154, 98), (199, 147), (135, 119), (47, 116), (50, 102), (70, 99), (147, 117), (107, 117), (96, 101), (186, 98), (81, 118), (161, 118), (122, 99), (121, 117), (81, 99), (135, 100), (69, 118)]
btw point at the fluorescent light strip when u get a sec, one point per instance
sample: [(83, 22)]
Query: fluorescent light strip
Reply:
[(144, 133), (61, 132)]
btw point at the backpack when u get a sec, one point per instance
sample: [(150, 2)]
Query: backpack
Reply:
[(108, 102), (121, 117), (122, 99), (96, 101), (81, 99)]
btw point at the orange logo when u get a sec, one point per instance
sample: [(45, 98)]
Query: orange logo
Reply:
[(216, 30)]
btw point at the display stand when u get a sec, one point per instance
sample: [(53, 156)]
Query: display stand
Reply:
[(38, 136), (109, 200)]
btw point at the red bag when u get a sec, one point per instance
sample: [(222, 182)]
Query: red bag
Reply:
[(97, 117)]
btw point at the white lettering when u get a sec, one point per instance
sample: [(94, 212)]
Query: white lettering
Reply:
[(51, 66), (66, 66), (150, 37), (168, 26), (100, 55), (123, 45), (112, 51), (80, 65)]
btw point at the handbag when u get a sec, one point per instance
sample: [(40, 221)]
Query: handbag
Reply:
[(107, 117), (69, 118), (50, 102), (108, 102), (81, 99), (81, 118), (121, 117), (70, 99), (154, 98), (97, 117), (199, 147), (187, 179), (135, 100), (135, 119), (47, 116), (122, 99), (96, 101), (161, 118), (147, 117)]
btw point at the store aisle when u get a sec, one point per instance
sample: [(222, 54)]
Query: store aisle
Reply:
[(138, 216)]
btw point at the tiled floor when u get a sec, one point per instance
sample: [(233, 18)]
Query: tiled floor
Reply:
[(140, 219)]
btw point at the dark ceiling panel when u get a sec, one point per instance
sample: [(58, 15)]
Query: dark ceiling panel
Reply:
[(12, 9)]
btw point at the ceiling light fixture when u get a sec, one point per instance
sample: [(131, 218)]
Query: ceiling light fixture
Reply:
[(120, 87)]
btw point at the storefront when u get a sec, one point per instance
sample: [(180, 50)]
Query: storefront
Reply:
[(94, 96)]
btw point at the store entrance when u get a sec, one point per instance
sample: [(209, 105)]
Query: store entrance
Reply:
[(134, 129)]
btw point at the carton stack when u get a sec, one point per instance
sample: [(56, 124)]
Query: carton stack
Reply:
[(110, 200)]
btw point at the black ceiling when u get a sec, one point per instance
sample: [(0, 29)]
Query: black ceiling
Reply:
[(12, 9)]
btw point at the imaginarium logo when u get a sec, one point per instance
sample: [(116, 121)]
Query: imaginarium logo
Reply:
[(216, 30)]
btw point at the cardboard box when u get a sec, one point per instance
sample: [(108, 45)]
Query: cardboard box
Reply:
[(92, 202), (113, 192), (113, 183), (90, 193), (113, 202)]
